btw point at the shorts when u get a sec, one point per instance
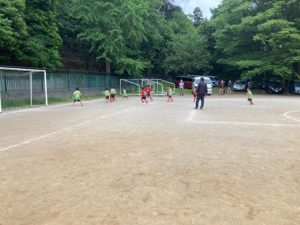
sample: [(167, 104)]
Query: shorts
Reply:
[(148, 94), (249, 99), (77, 100), (112, 95), (107, 97), (143, 97)]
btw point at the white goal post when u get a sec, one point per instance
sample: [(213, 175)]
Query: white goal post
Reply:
[(6, 70), (133, 86)]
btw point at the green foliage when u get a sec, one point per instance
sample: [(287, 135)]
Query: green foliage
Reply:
[(28, 33), (258, 39), (114, 31), (187, 52), (12, 29), (188, 55), (41, 46), (133, 37)]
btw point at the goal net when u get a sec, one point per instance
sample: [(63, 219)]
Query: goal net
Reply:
[(22, 87), (134, 86)]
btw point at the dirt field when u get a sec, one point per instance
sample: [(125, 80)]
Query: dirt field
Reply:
[(162, 164)]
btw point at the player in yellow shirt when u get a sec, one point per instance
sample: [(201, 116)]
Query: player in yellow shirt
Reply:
[(107, 95), (125, 95), (112, 94), (250, 96), (77, 97)]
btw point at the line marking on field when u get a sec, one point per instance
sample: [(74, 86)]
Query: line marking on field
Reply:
[(225, 99), (71, 128), (191, 116), (246, 123), (37, 108), (286, 114)]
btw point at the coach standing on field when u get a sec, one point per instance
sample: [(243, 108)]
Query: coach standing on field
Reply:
[(201, 92)]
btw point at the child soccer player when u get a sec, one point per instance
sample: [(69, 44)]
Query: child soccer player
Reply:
[(144, 95), (169, 94), (125, 95), (149, 90), (195, 93), (250, 96), (107, 95), (112, 94), (77, 96)]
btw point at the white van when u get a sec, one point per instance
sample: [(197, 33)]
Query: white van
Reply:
[(208, 82)]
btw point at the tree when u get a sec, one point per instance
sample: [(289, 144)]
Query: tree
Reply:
[(258, 38), (41, 45), (188, 55), (12, 29), (114, 31), (197, 17), (187, 52)]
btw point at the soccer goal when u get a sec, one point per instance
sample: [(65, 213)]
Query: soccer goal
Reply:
[(20, 87), (134, 86)]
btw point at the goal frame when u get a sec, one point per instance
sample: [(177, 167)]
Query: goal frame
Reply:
[(143, 82), (30, 81)]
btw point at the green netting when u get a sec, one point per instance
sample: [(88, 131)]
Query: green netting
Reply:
[(83, 80), (15, 89), (15, 86)]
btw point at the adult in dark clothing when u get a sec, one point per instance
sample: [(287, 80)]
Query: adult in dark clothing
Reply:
[(201, 92)]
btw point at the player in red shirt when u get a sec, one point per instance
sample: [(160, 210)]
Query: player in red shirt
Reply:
[(149, 90), (144, 95)]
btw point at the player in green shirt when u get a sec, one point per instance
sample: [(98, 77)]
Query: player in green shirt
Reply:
[(112, 94), (77, 96), (250, 96), (125, 95), (107, 95)]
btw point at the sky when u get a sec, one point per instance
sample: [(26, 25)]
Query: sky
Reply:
[(188, 6)]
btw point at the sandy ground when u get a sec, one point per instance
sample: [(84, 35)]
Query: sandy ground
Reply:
[(162, 164)]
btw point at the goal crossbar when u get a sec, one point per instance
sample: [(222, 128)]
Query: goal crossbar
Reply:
[(30, 71), (158, 85)]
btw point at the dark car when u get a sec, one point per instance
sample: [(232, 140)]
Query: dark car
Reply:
[(275, 87), (240, 85), (294, 86), (214, 80)]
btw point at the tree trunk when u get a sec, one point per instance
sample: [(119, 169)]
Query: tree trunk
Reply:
[(108, 67), (298, 68)]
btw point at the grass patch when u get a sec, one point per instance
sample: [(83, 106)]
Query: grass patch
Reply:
[(189, 91), (18, 103)]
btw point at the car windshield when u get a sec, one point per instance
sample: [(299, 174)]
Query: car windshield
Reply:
[(297, 83), (206, 80), (240, 82)]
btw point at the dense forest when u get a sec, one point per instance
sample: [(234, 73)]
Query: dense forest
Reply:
[(243, 38)]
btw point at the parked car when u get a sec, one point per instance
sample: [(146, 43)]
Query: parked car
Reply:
[(214, 80), (275, 87), (208, 82), (187, 80), (240, 85), (294, 86)]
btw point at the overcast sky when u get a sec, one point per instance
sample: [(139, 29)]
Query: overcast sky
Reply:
[(188, 6)]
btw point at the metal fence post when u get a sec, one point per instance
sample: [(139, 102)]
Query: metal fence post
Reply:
[(30, 87), (69, 80), (0, 92)]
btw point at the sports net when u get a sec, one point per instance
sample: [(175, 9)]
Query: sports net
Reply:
[(22, 88), (134, 86)]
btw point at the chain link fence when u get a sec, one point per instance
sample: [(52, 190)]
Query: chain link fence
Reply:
[(15, 86)]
